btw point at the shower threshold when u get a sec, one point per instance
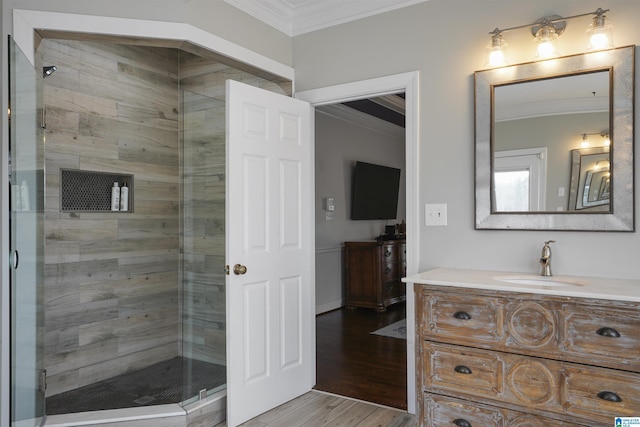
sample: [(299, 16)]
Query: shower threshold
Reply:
[(158, 384)]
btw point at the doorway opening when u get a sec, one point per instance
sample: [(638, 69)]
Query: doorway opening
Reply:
[(351, 360), (406, 83)]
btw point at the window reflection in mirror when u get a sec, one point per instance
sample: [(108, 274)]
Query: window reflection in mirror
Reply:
[(536, 125)]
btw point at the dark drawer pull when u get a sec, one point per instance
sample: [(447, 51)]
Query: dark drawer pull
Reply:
[(609, 396), (462, 315), (608, 332), (387, 254), (387, 270), (461, 369), (461, 422)]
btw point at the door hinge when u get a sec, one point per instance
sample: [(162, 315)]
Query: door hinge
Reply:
[(226, 270), (43, 380), (43, 122)]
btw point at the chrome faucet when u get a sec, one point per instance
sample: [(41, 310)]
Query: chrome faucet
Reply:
[(545, 259)]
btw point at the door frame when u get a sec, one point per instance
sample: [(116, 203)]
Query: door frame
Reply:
[(409, 84)]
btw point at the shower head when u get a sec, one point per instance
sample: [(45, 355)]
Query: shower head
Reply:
[(47, 71)]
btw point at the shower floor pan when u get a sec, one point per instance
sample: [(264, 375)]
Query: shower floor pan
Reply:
[(157, 384)]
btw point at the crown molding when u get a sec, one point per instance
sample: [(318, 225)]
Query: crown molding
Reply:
[(295, 17), (341, 112)]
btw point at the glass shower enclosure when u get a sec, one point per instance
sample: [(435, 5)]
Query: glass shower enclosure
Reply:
[(26, 241)]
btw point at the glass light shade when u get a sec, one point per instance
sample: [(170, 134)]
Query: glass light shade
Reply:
[(600, 33), (546, 38), (497, 51), (585, 141)]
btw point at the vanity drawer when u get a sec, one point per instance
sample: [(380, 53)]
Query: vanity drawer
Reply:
[(442, 411), (460, 319), (462, 369), (599, 393), (605, 334), (492, 377)]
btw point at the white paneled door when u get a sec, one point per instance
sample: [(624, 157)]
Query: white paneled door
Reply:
[(270, 241)]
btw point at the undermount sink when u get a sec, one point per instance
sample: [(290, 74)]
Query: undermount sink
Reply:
[(531, 280)]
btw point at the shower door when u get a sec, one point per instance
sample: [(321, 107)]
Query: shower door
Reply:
[(202, 243), (26, 241)]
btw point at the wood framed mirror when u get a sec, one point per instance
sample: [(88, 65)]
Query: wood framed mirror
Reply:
[(529, 119)]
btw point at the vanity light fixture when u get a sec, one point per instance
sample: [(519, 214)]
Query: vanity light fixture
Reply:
[(602, 164), (604, 134), (546, 31)]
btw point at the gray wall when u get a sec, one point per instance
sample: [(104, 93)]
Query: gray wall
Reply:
[(338, 145), (445, 40)]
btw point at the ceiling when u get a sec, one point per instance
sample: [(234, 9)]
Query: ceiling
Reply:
[(295, 17), (579, 93)]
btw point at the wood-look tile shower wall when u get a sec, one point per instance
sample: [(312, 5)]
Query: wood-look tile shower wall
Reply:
[(111, 279), (112, 286)]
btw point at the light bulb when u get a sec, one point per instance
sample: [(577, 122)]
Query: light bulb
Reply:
[(599, 41), (497, 58), (546, 50)]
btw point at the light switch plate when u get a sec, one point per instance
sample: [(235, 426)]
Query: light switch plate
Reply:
[(435, 214)]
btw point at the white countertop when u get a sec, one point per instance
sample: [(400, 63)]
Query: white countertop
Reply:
[(569, 286)]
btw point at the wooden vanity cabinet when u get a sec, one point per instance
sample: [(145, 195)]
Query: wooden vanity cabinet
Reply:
[(373, 271), (486, 358)]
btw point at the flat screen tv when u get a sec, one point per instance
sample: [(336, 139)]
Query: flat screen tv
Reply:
[(374, 191)]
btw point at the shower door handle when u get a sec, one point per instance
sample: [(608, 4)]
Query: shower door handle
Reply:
[(14, 260), (239, 269)]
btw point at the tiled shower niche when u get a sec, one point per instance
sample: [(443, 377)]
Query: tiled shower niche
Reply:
[(89, 191)]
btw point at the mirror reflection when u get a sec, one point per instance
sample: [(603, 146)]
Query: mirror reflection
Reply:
[(537, 127), (590, 187)]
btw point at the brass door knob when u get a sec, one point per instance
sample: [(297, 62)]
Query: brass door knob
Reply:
[(239, 269)]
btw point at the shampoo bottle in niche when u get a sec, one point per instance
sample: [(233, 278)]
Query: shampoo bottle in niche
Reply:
[(124, 197), (24, 197), (16, 198), (115, 197)]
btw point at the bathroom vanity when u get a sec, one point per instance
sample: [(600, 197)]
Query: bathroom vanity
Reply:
[(501, 349)]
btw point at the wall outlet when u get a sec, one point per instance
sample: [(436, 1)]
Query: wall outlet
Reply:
[(435, 214), (560, 191)]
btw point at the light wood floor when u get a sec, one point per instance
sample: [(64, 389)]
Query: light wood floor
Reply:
[(318, 409)]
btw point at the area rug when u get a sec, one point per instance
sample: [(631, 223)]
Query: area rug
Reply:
[(394, 330)]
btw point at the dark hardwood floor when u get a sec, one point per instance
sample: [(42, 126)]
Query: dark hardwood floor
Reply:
[(352, 362)]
